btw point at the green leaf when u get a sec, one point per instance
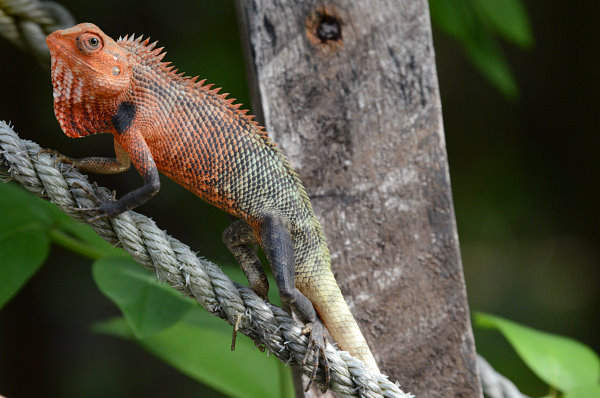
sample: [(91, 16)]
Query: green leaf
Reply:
[(561, 362), (485, 53), (23, 250), (19, 207), (588, 391), (451, 16), (148, 306), (508, 18), (199, 346), (24, 243), (460, 20)]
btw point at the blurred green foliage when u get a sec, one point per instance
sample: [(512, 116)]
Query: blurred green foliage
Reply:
[(475, 24)]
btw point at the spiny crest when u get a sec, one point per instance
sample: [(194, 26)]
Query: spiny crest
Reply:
[(153, 56), (144, 49)]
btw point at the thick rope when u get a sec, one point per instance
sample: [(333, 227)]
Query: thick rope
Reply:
[(26, 23), (494, 384), (174, 263)]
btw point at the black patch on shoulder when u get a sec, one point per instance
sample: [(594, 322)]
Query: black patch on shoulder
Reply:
[(124, 117)]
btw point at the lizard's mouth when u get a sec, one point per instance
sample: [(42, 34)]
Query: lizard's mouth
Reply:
[(53, 42)]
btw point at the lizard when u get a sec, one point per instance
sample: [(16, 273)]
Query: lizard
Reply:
[(163, 120)]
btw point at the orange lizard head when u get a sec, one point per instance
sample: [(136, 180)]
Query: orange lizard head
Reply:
[(91, 74)]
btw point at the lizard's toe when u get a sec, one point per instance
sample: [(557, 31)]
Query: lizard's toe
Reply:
[(107, 208), (87, 190), (60, 158), (316, 349), (90, 210)]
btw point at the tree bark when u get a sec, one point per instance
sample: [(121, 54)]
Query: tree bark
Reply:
[(349, 92)]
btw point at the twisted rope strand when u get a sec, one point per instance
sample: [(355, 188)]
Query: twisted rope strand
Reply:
[(494, 384), (26, 23), (175, 264)]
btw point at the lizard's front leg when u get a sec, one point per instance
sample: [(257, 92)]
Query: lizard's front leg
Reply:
[(137, 151), (99, 165), (279, 249)]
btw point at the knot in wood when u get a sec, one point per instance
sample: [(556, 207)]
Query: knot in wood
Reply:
[(324, 29)]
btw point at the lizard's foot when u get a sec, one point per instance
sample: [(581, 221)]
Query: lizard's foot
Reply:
[(60, 158), (107, 208), (316, 348)]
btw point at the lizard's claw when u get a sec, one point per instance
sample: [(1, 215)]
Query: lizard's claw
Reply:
[(106, 208), (86, 189), (316, 349), (91, 210)]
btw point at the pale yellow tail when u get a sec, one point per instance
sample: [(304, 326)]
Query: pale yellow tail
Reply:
[(338, 319)]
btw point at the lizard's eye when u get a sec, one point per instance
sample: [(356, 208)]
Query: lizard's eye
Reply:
[(89, 43)]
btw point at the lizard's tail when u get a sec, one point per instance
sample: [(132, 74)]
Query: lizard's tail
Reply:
[(333, 310)]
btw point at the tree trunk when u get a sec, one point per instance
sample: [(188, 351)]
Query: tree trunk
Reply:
[(349, 92)]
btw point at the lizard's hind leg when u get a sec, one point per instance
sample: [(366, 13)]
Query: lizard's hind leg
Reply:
[(279, 249), (238, 237)]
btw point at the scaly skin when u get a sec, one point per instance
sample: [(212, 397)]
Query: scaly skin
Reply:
[(163, 121)]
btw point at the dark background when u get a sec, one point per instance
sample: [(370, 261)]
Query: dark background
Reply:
[(524, 176)]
